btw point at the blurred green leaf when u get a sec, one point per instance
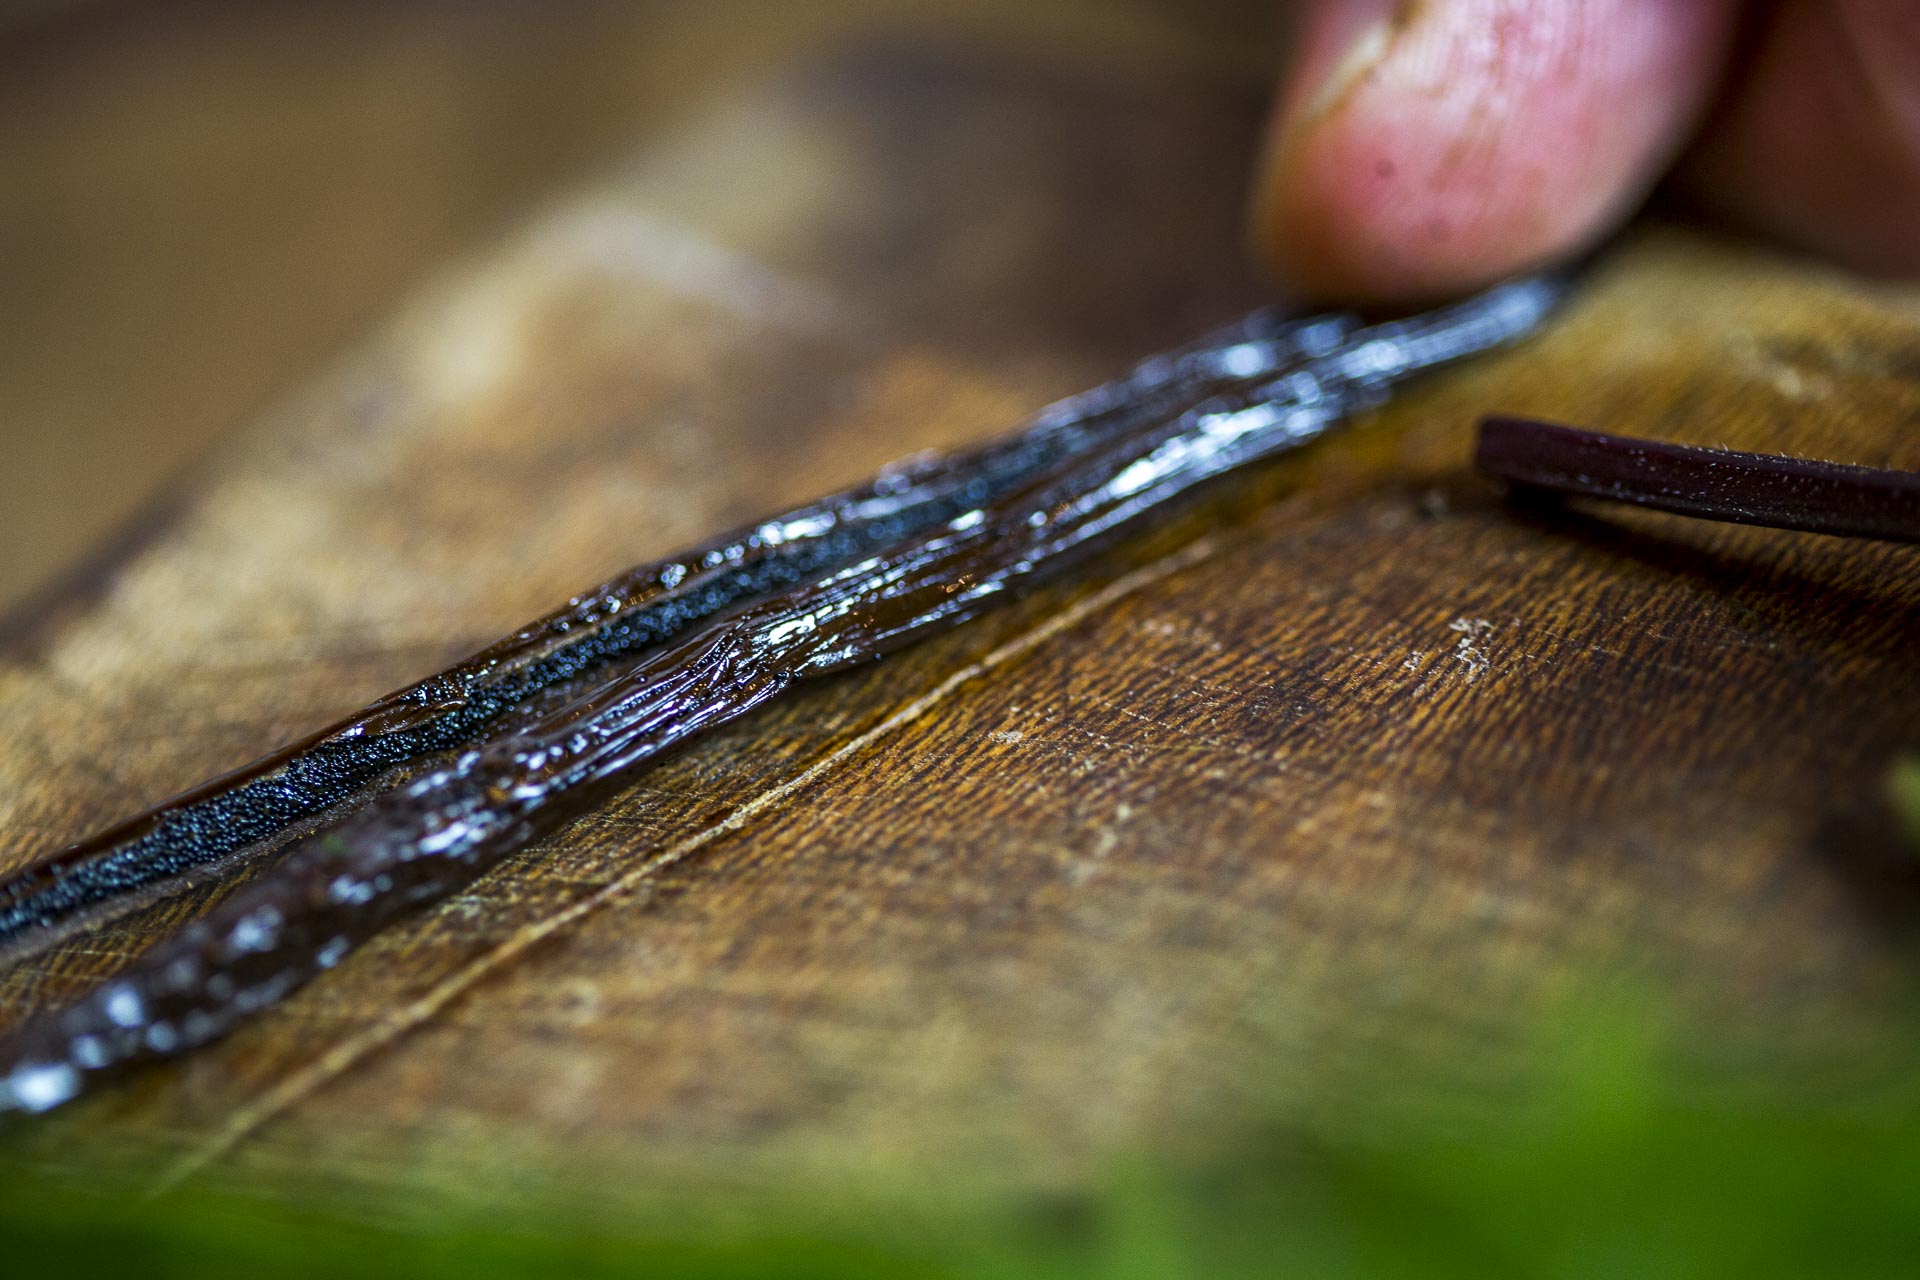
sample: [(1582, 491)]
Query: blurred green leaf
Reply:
[(1903, 791), (1607, 1166)]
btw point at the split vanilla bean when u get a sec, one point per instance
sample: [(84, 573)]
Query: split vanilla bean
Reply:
[(977, 526), (643, 607)]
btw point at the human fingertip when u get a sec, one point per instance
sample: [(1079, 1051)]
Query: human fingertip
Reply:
[(1422, 150)]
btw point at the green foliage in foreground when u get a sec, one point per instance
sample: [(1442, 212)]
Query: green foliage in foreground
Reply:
[(1903, 791), (1608, 1169)]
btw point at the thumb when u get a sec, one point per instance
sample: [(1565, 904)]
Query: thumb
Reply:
[(1428, 147)]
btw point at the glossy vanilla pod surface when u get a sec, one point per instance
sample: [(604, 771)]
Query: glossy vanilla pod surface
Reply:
[(458, 708), (816, 591)]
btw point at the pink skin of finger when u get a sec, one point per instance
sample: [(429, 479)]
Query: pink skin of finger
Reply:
[(1424, 149)]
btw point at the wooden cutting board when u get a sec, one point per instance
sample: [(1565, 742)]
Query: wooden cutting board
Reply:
[(1369, 772)]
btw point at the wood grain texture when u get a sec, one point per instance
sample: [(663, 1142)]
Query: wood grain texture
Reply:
[(1356, 768)]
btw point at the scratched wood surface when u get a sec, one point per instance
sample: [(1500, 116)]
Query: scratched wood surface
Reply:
[(1345, 777)]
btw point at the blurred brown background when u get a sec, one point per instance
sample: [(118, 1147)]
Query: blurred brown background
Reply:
[(201, 202)]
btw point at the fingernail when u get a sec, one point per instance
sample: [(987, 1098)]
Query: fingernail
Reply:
[(1344, 41), (1337, 43)]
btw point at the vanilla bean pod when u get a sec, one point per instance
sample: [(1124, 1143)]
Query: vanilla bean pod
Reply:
[(428, 839), (643, 607), (1773, 490)]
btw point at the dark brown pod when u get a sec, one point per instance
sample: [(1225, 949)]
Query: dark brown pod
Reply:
[(1773, 490), (423, 841)]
